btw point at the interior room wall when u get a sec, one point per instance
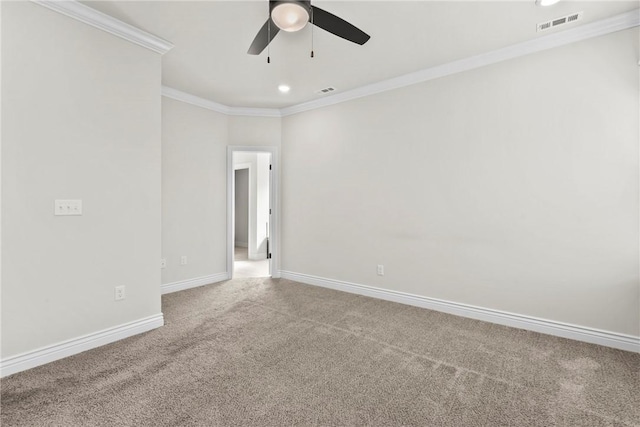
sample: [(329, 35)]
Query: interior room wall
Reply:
[(255, 131), (194, 189), (242, 208), (523, 192), (194, 141), (81, 120)]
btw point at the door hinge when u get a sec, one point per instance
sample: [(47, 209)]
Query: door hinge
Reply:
[(269, 167), (269, 211), (268, 256)]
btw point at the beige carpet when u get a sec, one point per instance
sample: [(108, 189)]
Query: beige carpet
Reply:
[(263, 352)]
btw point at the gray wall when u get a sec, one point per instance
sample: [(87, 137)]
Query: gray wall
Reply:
[(194, 183), (81, 120), (194, 180), (242, 207), (263, 131), (523, 192)]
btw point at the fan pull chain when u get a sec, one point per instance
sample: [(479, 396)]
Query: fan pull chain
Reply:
[(312, 32), (269, 42)]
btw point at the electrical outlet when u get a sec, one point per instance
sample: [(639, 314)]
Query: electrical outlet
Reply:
[(183, 260), (163, 263), (119, 293), (380, 270)]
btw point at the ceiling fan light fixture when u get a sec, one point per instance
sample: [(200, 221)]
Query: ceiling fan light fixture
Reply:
[(546, 2), (290, 17), (293, 15)]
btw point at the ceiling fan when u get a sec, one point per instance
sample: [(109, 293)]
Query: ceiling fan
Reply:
[(293, 15)]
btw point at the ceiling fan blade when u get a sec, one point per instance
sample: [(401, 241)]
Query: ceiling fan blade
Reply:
[(262, 38), (338, 26)]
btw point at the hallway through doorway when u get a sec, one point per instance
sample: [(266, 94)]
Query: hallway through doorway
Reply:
[(243, 267)]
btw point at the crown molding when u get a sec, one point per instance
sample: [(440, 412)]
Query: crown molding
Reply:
[(102, 21), (178, 95), (255, 112), (616, 23)]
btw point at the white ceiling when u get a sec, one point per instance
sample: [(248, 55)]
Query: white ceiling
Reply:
[(211, 39)]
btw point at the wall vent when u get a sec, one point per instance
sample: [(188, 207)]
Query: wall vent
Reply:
[(326, 90), (574, 17)]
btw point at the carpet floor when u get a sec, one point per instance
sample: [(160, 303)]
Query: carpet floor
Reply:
[(271, 352)]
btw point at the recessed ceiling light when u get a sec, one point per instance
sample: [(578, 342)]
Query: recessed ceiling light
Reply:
[(546, 2), (284, 88)]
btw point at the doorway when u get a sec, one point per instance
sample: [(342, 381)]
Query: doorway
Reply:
[(251, 195)]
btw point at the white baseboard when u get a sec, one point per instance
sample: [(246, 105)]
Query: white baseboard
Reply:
[(193, 283), (258, 256), (550, 327), (41, 356)]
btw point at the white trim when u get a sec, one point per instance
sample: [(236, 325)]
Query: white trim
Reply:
[(41, 356), (194, 100), (192, 283), (254, 112), (550, 327), (102, 21), (583, 32), (258, 256), (274, 201), (178, 95)]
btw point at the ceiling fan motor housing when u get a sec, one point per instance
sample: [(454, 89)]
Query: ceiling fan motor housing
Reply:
[(304, 3)]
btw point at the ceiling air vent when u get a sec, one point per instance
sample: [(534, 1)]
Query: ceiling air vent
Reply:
[(326, 90), (543, 26)]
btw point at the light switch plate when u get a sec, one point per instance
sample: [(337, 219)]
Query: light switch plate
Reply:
[(68, 207)]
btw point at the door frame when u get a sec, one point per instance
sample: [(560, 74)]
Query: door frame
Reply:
[(274, 202)]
